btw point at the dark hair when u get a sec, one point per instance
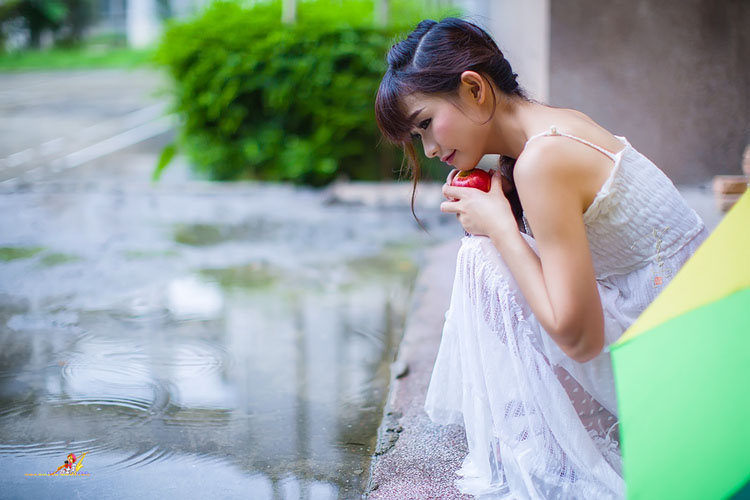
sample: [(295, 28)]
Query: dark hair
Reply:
[(430, 61)]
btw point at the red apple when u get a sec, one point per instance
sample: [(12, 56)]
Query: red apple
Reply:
[(475, 178)]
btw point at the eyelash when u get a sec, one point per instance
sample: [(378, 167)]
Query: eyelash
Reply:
[(423, 125)]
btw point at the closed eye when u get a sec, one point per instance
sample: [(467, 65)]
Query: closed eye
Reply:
[(423, 125)]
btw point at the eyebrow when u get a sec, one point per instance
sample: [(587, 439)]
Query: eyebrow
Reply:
[(414, 115)]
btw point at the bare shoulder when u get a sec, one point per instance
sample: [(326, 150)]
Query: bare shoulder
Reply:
[(582, 125), (561, 162), (547, 160), (548, 178)]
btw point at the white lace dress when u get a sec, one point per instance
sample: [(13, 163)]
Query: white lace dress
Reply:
[(538, 424)]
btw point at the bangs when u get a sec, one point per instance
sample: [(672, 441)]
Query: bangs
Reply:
[(390, 111)]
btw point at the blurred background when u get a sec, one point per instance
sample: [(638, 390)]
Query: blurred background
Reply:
[(207, 252)]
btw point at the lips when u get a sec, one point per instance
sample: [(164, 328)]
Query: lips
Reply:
[(449, 158)]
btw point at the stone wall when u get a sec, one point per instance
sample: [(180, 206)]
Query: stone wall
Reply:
[(673, 76), (521, 29)]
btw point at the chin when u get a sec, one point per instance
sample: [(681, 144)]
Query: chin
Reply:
[(472, 164)]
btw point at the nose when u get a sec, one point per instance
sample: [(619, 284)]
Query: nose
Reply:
[(430, 148)]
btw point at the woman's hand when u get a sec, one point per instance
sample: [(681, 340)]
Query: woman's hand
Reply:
[(478, 212)]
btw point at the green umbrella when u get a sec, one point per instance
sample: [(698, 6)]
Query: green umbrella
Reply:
[(682, 373)]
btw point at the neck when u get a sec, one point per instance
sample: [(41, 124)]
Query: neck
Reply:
[(512, 125)]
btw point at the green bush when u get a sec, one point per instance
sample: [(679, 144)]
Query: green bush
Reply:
[(259, 99)]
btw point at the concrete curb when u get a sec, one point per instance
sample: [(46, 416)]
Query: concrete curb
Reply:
[(416, 459)]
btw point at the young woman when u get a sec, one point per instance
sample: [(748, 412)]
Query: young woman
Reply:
[(575, 238)]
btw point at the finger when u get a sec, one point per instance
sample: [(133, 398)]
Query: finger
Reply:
[(450, 207), (451, 175), (496, 183), (454, 192), (449, 198)]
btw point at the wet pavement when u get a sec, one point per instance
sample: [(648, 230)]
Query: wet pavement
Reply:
[(185, 332), (223, 340), (47, 114)]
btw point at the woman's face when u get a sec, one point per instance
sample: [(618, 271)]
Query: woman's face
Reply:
[(451, 134)]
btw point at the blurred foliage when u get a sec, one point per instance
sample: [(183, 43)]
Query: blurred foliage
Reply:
[(66, 19), (259, 99)]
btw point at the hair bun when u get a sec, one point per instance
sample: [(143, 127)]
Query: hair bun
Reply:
[(403, 52), (425, 25)]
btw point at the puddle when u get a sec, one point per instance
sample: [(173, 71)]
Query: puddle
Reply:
[(13, 253), (199, 234), (145, 254), (57, 259), (255, 228), (189, 346), (255, 275)]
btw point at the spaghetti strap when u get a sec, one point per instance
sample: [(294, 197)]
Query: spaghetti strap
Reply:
[(553, 131)]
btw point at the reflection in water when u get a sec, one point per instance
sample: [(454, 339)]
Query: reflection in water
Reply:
[(253, 366)]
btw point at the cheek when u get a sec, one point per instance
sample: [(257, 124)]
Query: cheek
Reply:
[(442, 129)]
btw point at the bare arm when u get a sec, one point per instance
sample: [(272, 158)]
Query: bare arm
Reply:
[(559, 284)]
